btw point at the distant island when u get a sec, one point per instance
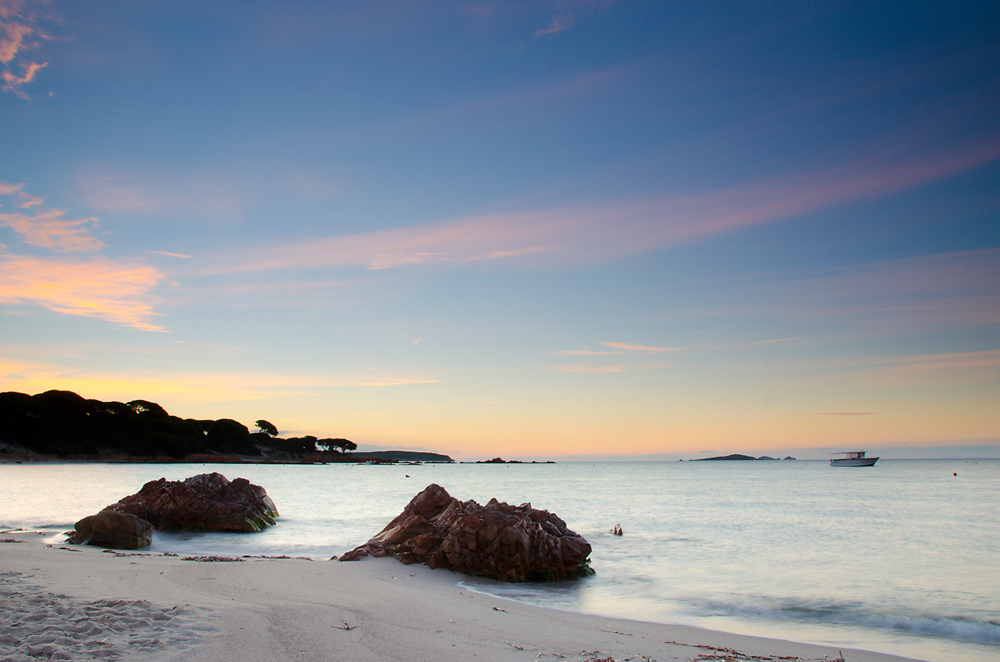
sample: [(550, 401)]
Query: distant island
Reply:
[(737, 456), (65, 426), (500, 460)]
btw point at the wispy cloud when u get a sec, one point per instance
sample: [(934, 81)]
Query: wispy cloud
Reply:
[(948, 290), (583, 352), (17, 194), (582, 235), (567, 18), (120, 292), (590, 369), (937, 369), (641, 348), (100, 288), (845, 413), (193, 386), (557, 25), (580, 84), (109, 188), (170, 254), (47, 229), (19, 31)]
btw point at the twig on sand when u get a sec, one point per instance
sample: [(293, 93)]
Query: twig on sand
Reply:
[(514, 646), (733, 655)]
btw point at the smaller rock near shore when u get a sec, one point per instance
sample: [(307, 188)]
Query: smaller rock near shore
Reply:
[(499, 541), (206, 502), (111, 529)]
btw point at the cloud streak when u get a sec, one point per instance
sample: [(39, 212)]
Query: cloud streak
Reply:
[(570, 236), (641, 348), (954, 368), (197, 386), (590, 369)]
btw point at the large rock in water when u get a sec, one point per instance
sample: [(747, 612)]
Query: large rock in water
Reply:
[(206, 502), (111, 529), (499, 541)]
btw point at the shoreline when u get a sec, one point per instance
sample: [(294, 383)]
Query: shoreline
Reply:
[(261, 609)]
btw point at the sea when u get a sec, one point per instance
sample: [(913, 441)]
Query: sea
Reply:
[(902, 557)]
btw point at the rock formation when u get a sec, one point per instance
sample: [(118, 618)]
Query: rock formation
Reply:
[(499, 541), (206, 502), (112, 529)]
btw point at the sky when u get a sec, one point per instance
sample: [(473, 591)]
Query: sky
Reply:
[(547, 229)]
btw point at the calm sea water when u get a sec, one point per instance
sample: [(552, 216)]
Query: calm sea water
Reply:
[(903, 557)]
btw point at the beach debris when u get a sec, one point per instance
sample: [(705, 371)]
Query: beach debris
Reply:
[(617, 529), (10, 540), (206, 502), (109, 528), (514, 646), (498, 540), (733, 655), (213, 559), (345, 626)]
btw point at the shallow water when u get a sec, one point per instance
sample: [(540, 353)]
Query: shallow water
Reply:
[(899, 558)]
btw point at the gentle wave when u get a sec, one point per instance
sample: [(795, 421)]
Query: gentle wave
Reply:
[(951, 627)]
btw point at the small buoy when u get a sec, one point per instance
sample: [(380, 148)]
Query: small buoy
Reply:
[(955, 474)]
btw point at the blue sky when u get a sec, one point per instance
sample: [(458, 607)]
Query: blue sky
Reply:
[(531, 229)]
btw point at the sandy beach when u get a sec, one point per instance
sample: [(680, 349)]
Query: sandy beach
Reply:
[(77, 603)]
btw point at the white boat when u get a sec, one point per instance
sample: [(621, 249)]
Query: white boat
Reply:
[(852, 459)]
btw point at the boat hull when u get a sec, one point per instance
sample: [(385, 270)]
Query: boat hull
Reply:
[(854, 462)]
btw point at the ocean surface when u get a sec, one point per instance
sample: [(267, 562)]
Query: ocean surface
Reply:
[(902, 557)]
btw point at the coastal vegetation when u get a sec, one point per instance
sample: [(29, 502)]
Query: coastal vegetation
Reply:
[(68, 426)]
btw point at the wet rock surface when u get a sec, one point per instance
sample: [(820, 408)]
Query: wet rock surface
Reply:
[(112, 529), (206, 502), (497, 540)]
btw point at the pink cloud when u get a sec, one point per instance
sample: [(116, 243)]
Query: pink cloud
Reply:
[(12, 39), (47, 229), (17, 26), (100, 288), (16, 191), (584, 235), (13, 83)]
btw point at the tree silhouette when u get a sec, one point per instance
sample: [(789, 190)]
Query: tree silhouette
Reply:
[(267, 428), (342, 444)]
